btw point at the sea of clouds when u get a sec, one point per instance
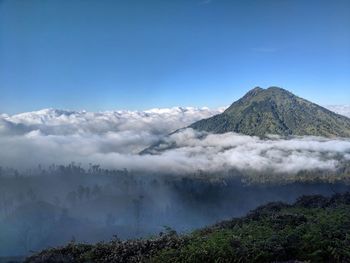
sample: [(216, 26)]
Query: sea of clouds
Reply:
[(114, 139), (340, 109)]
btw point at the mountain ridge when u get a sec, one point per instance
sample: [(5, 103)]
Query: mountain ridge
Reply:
[(264, 112), (274, 110)]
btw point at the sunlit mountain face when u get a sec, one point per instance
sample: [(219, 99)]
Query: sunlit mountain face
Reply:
[(276, 111)]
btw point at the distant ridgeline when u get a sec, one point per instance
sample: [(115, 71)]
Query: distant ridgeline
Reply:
[(272, 111)]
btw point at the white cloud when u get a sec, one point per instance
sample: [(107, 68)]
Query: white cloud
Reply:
[(51, 121), (114, 138), (242, 152), (120, 131), (340, 109)]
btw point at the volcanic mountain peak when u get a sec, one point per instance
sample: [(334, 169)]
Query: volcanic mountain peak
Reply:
[(276, 111)]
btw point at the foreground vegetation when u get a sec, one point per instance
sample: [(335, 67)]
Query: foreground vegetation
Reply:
[(313, 229)]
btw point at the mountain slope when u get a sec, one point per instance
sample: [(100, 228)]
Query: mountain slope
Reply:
[(276, 111), (313, 229)]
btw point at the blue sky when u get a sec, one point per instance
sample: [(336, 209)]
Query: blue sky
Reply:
[(100, 55)]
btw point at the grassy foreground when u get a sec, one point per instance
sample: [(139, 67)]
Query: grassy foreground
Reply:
[(313, 229)]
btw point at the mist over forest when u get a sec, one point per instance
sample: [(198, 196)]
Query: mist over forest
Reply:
[(50, 206)]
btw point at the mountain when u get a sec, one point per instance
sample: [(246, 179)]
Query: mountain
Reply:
[(276, 111)]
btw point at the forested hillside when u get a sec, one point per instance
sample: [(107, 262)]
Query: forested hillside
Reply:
[(313, 229)]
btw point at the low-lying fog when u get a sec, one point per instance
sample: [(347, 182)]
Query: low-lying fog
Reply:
[(79, 175)]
